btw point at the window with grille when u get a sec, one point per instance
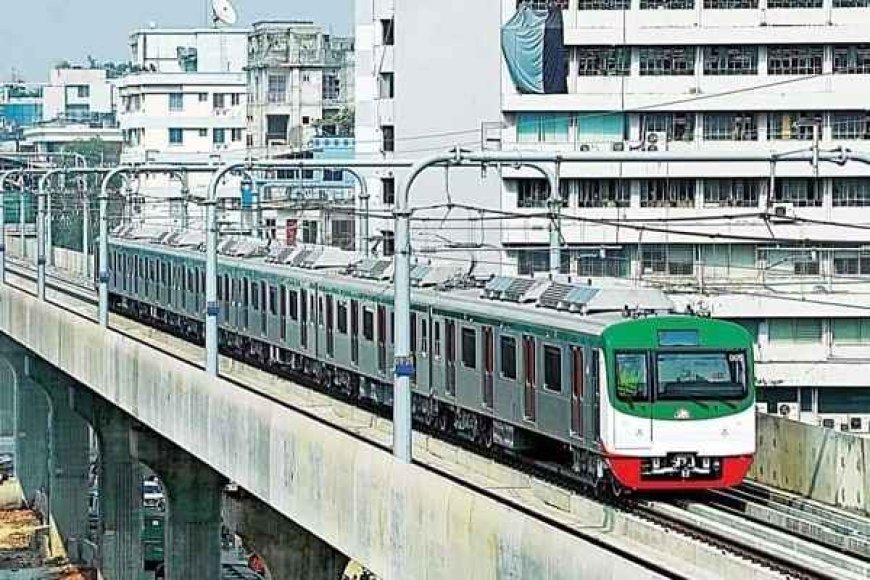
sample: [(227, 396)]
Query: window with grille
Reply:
[(731, 192), (792, 125), (667, 4), (850, 125), (176, 101), (388, 138), (597, 192), (730, 127), (852, 60), (602, 263), (531, 261), (851, 192), (730, 60), (795, 330), (604, 4), (801, 192), (851, 3), (532, 192), (277, 88), (851, 262), (795, 60), (596, 61), (667, 193), (677, 126), (331, 87), (850, 330), (543, 4), (795, 3), (730, 4), (667, 60), (671, 259)]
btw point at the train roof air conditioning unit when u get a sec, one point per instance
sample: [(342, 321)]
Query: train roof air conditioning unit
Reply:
[(655, 141)]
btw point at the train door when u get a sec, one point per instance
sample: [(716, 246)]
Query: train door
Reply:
[(530, 367), (488, 366), (303, 318), (330, 336), (382, 339), (450, 356), (354, 331), (578, 382)]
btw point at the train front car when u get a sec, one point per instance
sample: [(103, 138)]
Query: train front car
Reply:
[(678, 406)]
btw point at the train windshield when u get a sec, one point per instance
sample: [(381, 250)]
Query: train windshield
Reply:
[(701, 375)]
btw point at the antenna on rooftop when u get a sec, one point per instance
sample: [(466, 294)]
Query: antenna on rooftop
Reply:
[(223, 13)]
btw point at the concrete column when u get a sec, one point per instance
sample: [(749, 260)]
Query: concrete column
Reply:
[(289, 551), (120, 497), (193, 514), (31, 441)]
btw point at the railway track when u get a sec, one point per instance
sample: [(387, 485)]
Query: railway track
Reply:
[(731, 521)]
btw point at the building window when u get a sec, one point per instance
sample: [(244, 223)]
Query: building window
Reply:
[(851, 3), (388, 135), (235, 99), (677, 126), (219, 136), (667, 60), (851, 192), (667, 4), (795, 330), (679, 193), (552, 368), (604, 4), (389, 239), (333, 175), (795, 60), (730, 60), (602, 263), (852, 60), (388, 33), (220, 101), (203, 97), (543, 4), (78, 91), (792, 125), (306, 77), (543, 127), (850, 331), (730, 4), (531, 261), (176, 101), (386, 89), (236, 135), (850, 125), (277, 88), (597, 192), (790, 262), (798, 191), (594, 61), (731, 192), (388, 190), (795, 3), (309, 232), (176, 136), (532, 193), (730, 127), (203, 132), (331, 87), (671, 259), (851, 262)]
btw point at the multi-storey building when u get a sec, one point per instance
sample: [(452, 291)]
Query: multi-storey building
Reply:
[(300, 83), (716, 76), (79, 95), (20, 107), (187, 101)]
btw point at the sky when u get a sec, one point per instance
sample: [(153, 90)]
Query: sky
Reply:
[(36, 34)]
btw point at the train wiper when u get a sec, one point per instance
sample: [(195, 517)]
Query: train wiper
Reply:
[(698, 400)]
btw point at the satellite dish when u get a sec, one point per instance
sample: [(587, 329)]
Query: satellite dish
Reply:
[(223, 12)]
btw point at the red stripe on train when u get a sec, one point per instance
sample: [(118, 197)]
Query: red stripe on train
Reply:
[(626, 470)]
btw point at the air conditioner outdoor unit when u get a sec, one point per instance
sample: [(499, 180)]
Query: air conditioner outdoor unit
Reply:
[(617, 146), (788, 410), (828, 423), (783, 210), (585, 147), (655, 141)]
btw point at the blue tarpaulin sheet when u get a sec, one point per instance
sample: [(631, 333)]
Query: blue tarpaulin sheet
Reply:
[(522, 43)]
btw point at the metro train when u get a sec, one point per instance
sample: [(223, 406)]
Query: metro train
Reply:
[(607, 382)]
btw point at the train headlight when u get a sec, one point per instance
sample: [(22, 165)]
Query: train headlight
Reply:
[(682, 414)]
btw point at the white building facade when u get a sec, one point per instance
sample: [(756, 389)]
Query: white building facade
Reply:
[(77, 94), (683, 75)]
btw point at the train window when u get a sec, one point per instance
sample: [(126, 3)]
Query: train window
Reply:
[(294, 305), (436, 339), (320, 316), (263, 296), (552, 368), (469, 348), (368, 324), (244, 293), (342, 317), (424, 336), (283, 302), (508, 358), (255, 295), (632, 378), (190, 281), (273, 300), (413, 333), (201, 281)]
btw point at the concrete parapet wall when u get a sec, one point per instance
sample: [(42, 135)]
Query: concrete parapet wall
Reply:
[(817, 463), (64, 259), (401, 521)]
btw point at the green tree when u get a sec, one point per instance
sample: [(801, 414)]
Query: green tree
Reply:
[(95, 151)]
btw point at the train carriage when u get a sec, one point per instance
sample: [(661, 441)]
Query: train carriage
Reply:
[(607, 381)]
